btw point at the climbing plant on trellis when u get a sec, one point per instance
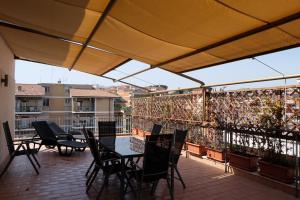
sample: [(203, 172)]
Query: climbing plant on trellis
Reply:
[(241, 108), (174, 111), (246, 107)]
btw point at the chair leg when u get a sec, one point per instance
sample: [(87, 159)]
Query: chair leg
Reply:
[(180, 178), (103, 185), (138, 160), (154, 186), (128, 184), (90, 176), (170, 189), (7, 165), (28, 156), (92, 179), (37, 162), (40, 145), (89, 169)]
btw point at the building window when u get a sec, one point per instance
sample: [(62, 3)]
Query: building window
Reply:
[(47, 89), (67, 101), (79, 103), (45, 102)]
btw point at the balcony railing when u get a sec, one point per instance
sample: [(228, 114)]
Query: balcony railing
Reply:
[(84, 108), (28, 109), (23, 127)]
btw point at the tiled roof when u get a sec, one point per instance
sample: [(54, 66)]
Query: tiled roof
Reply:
[(29, 90), (91, 93)]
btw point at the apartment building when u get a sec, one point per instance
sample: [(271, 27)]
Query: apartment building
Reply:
[(69, 105), (29, 105)]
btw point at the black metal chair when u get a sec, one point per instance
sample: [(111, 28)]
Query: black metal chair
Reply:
[(87, 141), (105, 154), (108, 166), (156, 129), (48, 137), (180, 136), (155, 163), (13, 152), (107, 128)]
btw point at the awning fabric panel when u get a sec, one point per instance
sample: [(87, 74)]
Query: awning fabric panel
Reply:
[(186, 23), (264, 41), (111, 36), (157, 31), (265, 10), (151, 31), (199, 59), (40, 48), (97, 62), (43, 49), (55, 17)]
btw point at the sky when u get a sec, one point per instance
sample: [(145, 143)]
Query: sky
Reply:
[(287, 62)]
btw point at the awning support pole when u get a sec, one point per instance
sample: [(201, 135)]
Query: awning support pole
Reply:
[(99, 22), (179, 74)]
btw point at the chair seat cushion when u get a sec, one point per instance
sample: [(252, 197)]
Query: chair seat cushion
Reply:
[(71, 143)]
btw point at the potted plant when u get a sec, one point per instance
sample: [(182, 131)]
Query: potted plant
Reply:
[(275, 163), (241, 155), (277, 166), (216, 149), (195, 143), (215, 134)]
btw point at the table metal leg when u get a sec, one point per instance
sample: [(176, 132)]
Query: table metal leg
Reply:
[(122, 185)]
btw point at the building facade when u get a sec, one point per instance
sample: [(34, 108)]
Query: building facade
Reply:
[(69, 105)]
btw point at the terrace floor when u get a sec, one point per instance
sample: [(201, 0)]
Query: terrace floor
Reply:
[(63, 178)]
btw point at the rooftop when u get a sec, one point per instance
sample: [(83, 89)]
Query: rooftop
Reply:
[(29, 90), (91, 93), (63, 178)]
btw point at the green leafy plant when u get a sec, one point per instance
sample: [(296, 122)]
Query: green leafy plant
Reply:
[(271, 144), (197, 136), (272, 114)]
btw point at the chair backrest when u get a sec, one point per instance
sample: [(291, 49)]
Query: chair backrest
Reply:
[(84, 130), (156, 129), (107, 128), (180, 136), (94, 148), (9, 140), (44, 131), (157, 155), (55, 128)]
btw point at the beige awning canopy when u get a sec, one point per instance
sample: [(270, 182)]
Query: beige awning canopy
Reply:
[(96, 36)]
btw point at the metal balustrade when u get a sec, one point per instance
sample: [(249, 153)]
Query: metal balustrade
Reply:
[(23, 127)]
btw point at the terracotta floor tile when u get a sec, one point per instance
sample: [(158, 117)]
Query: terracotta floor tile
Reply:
[(63, 178)]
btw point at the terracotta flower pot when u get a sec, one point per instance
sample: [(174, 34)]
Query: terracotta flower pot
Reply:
[(196, 149), (141, 133), (135, 131), (246, 162), (138, 132), (216, 154), (277, 172), (146, 133)]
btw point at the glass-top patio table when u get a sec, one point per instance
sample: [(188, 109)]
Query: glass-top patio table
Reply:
[(126, 148)]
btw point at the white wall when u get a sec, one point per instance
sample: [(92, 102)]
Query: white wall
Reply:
[(7, 96)]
